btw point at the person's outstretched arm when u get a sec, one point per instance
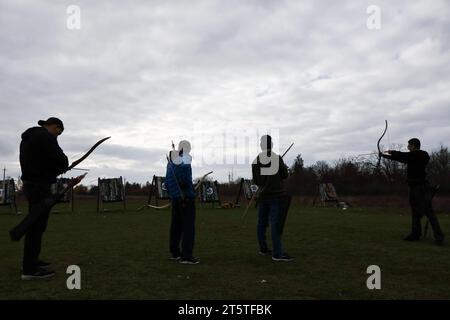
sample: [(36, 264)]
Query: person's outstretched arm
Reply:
[(398, 156)]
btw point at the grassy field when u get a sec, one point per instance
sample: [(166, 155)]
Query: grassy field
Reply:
[(124, 256)]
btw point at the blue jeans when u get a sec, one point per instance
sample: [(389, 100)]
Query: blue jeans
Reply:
[(269, 209)]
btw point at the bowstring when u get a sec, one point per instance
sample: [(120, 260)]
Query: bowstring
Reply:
[(78, 155)]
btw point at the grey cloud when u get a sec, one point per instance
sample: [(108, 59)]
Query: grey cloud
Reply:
[(147, 72)]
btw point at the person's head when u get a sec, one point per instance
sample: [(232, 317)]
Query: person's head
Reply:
[(266, 143), (53, 125), (413, 144), (184, 146)]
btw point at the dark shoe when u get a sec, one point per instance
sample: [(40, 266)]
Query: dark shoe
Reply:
[(174, 258), (39, 274), (412, 237), (189, 261), (284, 258), (265, 253)]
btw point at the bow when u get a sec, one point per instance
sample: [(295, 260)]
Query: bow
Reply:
[(77, 162), (22, 228), (378, 145)]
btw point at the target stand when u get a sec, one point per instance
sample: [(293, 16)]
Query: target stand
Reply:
[(109, 191), (209, 193), (158, 191), (247, 189), (57, 187), (8, 194)]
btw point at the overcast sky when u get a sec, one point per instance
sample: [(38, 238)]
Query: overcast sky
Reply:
[(221, 73)]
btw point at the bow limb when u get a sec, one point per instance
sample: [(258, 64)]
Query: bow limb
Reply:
[(197, 186), (154, 207), (248, 206), (287, 150), (77, 162), (378, 143)]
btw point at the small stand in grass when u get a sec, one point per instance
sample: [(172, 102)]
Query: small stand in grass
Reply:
[(209, 193), (157, 192), (248, 189), (109, 191), (58, 187), (328, 196), (8, 194)]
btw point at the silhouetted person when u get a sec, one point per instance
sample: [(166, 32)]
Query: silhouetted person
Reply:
[(269, 171), (420, 192), (181, 191), (41, 161)]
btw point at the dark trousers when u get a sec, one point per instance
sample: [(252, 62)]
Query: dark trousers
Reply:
[(37, 195), (420, 200), (182, 228), (269, 210)]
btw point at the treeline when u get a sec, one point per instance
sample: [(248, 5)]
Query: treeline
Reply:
[(365, 175), (360, 175)]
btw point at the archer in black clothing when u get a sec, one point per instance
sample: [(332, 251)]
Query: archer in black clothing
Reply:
[(269, 171), (420, 192), (41, 161)]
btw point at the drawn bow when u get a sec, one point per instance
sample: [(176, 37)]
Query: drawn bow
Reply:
[(378, 145)]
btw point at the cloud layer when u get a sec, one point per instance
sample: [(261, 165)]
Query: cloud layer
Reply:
[(148, 72)]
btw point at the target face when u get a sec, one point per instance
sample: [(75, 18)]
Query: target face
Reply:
[(254, 187), (209, 191), (161, 187)]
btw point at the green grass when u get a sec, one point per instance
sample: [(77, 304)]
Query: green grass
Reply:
[(124, 256)]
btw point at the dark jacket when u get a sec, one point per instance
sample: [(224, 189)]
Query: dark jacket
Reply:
[(269, 186), (416, 163), (41, 158)]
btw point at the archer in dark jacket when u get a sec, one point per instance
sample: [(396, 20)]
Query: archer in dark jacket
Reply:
[(420, 191), (41, 160), (269, 171)]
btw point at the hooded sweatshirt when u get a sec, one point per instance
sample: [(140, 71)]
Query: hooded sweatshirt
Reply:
[(41, 158)]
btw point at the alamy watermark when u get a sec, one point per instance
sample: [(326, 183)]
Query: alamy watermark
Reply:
[(374, 280), (234, 146), (73, 21), (373, 21), (74, 280)]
